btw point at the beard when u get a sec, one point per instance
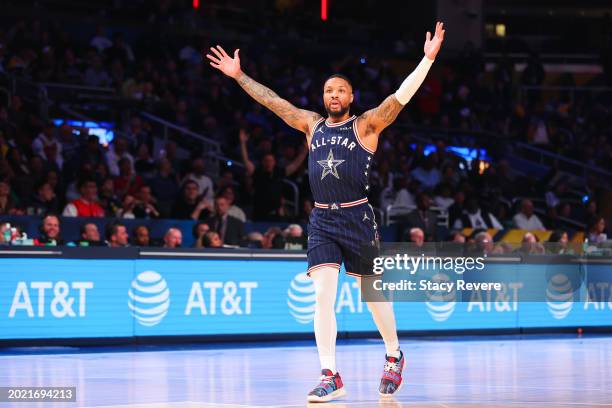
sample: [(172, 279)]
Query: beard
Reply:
[(339, 113)]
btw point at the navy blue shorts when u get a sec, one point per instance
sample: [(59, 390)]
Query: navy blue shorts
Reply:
[(348, 235)]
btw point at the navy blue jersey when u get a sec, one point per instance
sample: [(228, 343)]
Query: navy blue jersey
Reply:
[(338, 164)]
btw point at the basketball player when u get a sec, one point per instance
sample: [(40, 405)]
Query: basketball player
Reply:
[(341, 151)]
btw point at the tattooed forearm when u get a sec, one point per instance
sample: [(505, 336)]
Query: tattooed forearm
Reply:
[(294, 117)]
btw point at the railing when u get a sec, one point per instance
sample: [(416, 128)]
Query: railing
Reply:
[(295, 204), (397, 211)]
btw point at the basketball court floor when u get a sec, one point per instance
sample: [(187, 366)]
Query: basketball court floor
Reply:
[(502, 371)]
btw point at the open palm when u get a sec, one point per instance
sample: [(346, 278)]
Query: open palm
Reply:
[(432, 45), (223, 62)]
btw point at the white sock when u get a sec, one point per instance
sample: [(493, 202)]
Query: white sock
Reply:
[(384, 317), (325, 281)]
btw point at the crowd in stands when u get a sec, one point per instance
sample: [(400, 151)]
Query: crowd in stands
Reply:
[(46, 169)]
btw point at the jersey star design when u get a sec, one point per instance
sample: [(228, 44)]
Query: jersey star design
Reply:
[(330, 166)]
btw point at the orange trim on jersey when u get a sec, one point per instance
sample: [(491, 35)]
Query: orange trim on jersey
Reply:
[(339, 123), (359, 139)]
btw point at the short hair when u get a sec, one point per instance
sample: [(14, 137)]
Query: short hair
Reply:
[(82, 228), (111, 229), (194, 230), (139, 226), (341, 77)]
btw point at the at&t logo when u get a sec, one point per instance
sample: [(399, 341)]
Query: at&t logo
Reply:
[(559, 296), (149, 298), (301, 298)]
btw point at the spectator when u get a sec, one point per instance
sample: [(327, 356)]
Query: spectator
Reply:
[(173, 238), (96, 74), (234, 210), (100, 41), (559, 243), (417, 237), (211, 240), (294, 237), (267, 181), (190, 205), (144, 165), (89, 235), (443, 199), (48, 147), (116, 235), (422, 217), (595, 233), (427, 174), (85, 205), (526, 219), (198, 231), (7, 204), (165, 187), (127, 207), (144, 206), (485, 245), (49, 231), (204, 183), (457, 237), (475, 217), (118, 150), (141, 236), (127, 181), (108, 198), (254, 240), (530, 245), (230, 229), (44, 201)]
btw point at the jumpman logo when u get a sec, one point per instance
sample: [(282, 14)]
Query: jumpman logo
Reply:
[(365, 216), (320, 130), (330, 166)]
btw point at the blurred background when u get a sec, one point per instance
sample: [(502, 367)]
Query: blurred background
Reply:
[(113, 124)]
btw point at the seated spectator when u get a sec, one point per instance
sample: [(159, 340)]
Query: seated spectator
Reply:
[(211, 240), (47, 146), (204, 183), (295, 237), (559, 243), (230, 229), (234, 211), (44, 201), (145, 204), (530, 245), (7, 204), (422, 217), (85, 205), (141, 236), (198, 231), (89, 235), (484, 244), (116, 151), (108, 199), (144, 165), (127, 207), (49, 231), (417, 236), (173, 238), (127, 182), (595, 233), (443, 198), (475, 217), (427, 174), (116, 235), (190, 204), (526, 219)]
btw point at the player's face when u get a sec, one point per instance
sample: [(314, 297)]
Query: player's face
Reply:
[(337, 97)]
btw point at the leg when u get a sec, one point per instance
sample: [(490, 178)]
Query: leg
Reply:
[(325, 279)]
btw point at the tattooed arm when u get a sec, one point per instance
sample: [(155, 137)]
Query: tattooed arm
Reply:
[(299, 119)]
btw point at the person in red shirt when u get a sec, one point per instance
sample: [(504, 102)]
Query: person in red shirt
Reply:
[(127, 182), (86, 205)]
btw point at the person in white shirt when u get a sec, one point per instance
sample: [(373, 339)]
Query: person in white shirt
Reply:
[(117, 151), (205, 184), (475, 217), (100, 41), (526, 219), (46, 144)]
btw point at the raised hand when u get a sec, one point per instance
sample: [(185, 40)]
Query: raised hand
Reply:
[(223, 62), (432, 45)]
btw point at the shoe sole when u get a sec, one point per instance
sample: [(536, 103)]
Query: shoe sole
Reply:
[(334, 395), (394, 394)]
